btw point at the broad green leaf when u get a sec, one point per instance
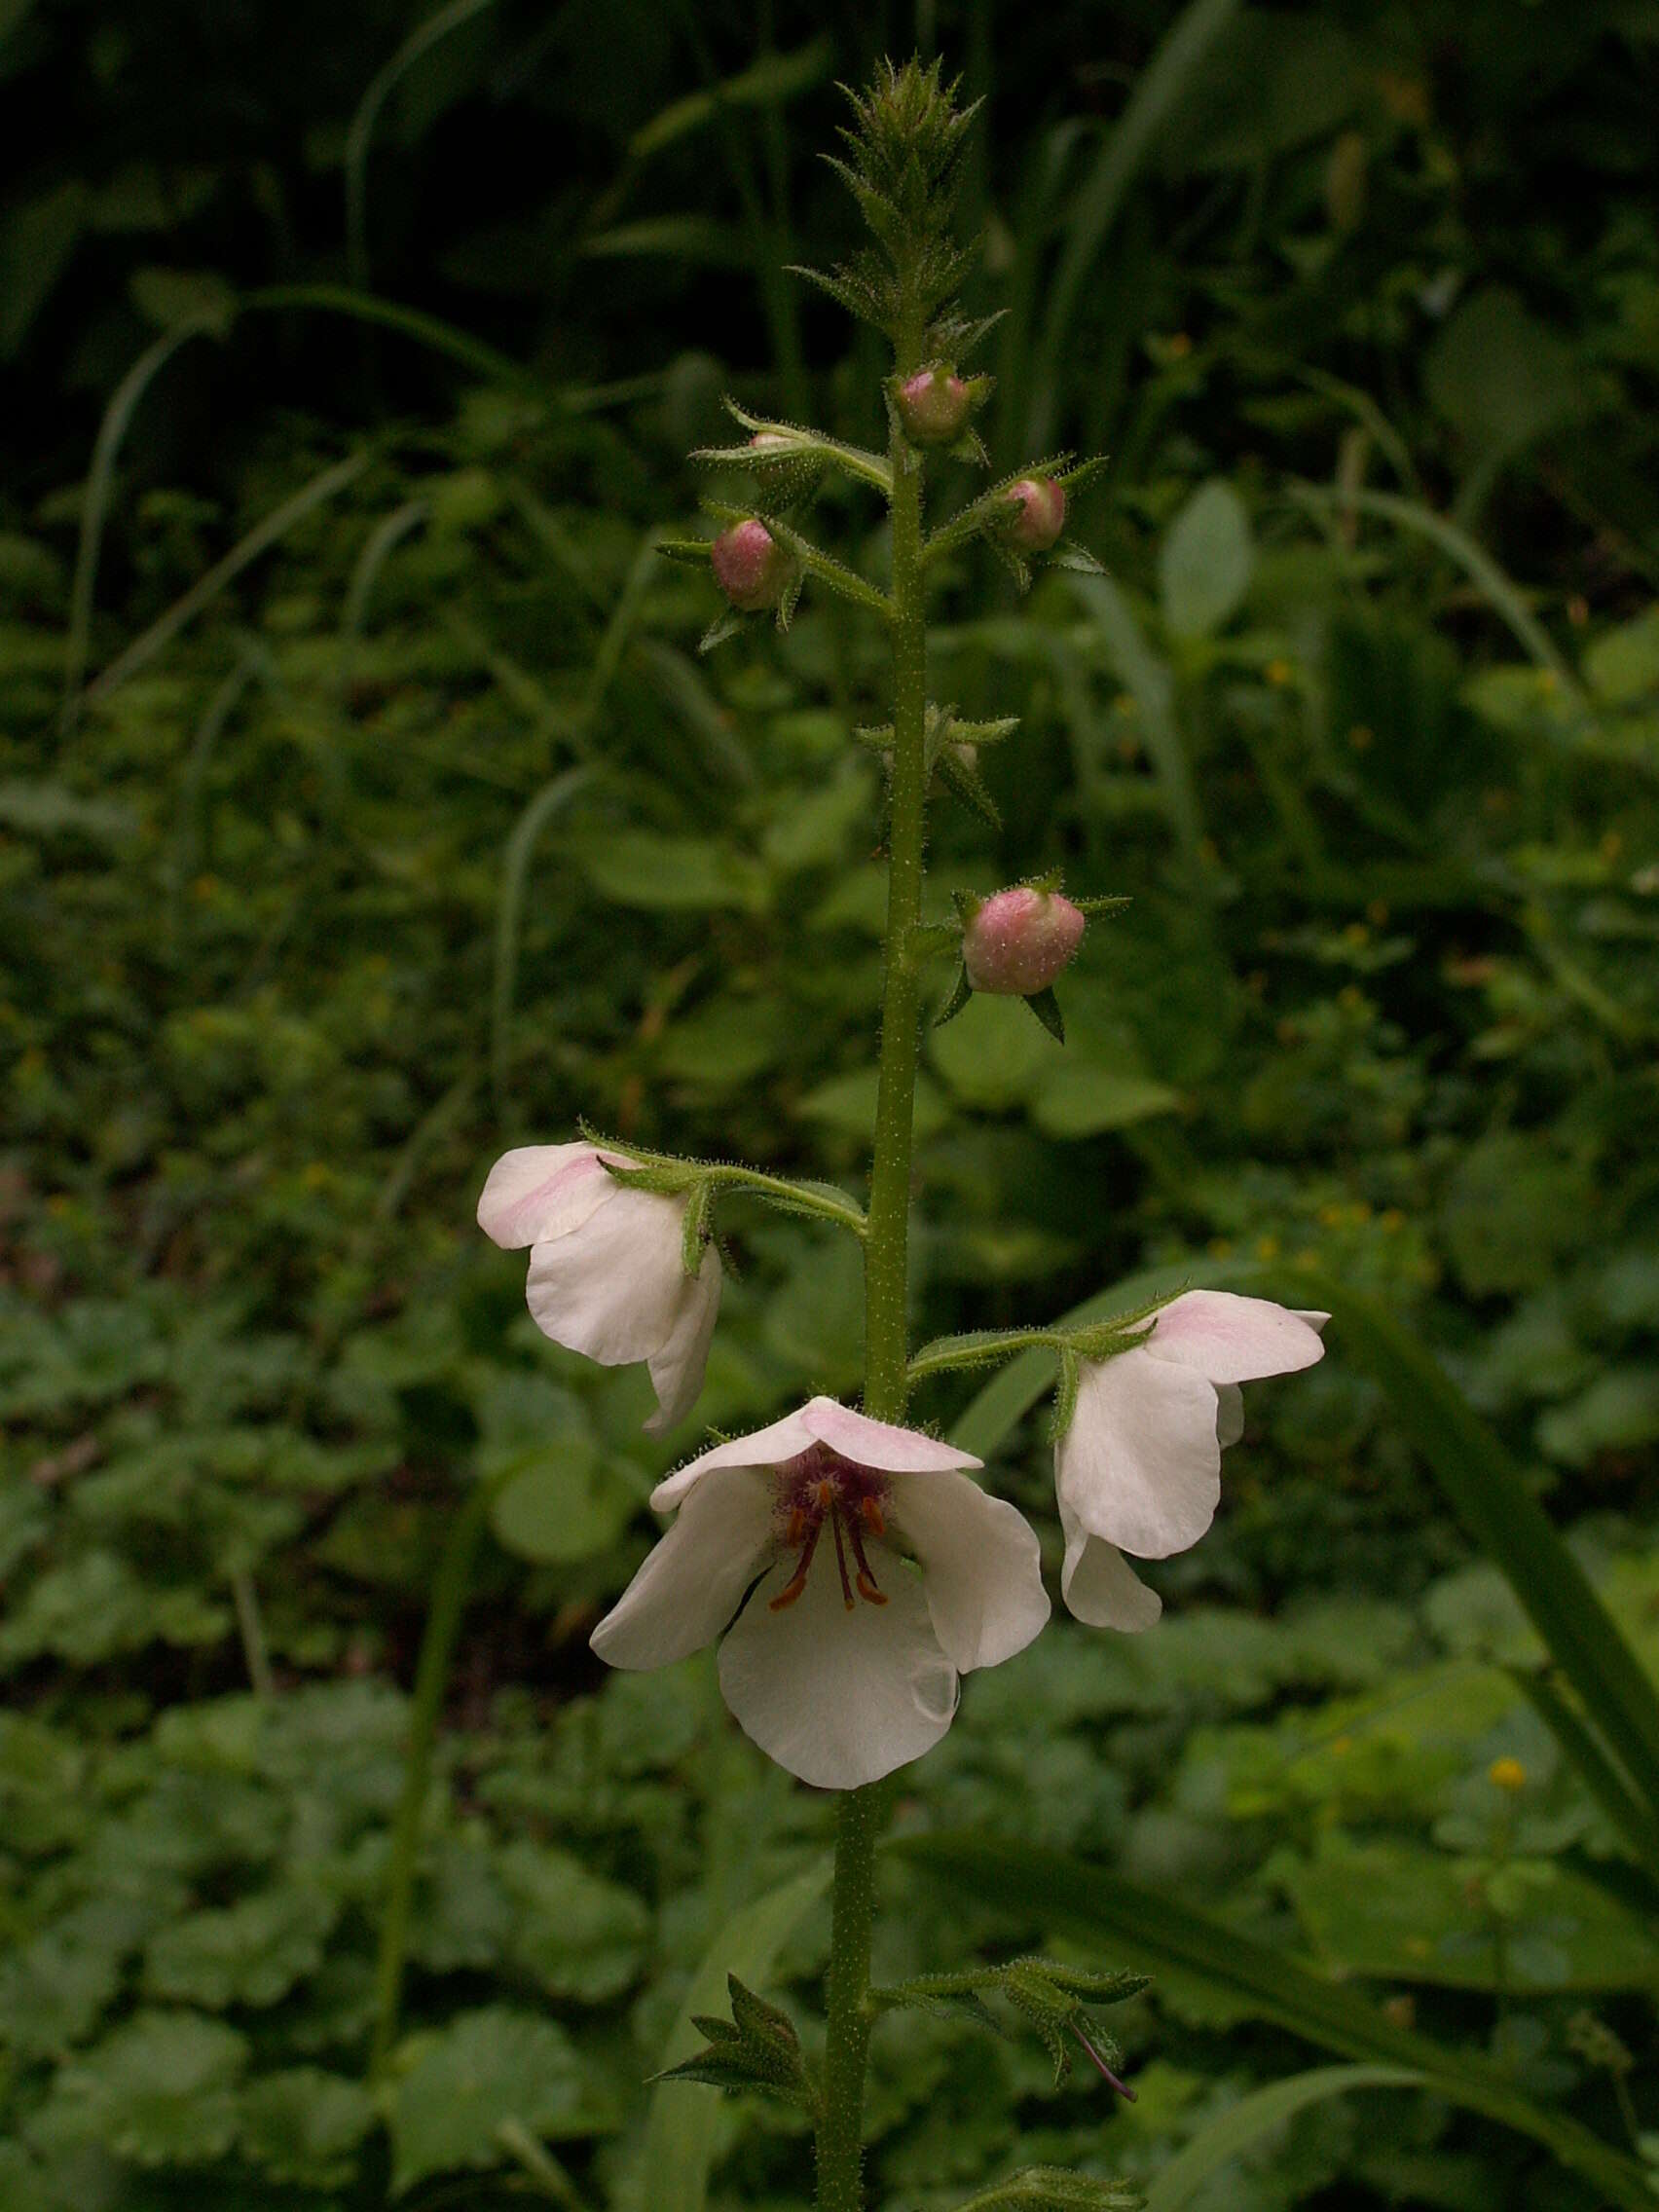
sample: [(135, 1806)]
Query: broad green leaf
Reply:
[(1397, 1911), (485, 2069), (1054, 1890), (249, 1953), (1498, 375), (672, 2170), (160, 2090), (638, 868), (1622, 666), (1179, 2183), (304, 2126), (580, 1935), (1495, 1504), (1083, 1101), (1203, 569)]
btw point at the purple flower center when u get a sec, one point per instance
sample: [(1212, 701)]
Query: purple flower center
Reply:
[(818, 1487)]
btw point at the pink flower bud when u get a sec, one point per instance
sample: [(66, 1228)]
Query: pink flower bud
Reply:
[(771, 441), (750, 567), (1019, 940), (1037, 512), (932, 406)]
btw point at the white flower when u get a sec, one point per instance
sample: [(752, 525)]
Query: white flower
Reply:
[(606, 1266), (884, 1574), (1139, 1468)]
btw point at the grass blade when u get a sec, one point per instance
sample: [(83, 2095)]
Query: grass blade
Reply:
[(1255, 2116), (382, 85), (162, 632), (1061, 1892), (520, 846), (678, 2146), (1094, 206), (95, 504)]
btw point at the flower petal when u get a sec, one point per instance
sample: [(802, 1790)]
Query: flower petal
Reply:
[(677, 1365), (1099, 1585), (693, 1581), (1229, 1414), (1229, 1339), (540, 1191), (982, 1569), (612, 1287), (820, 1421), (1140, 1463), (838, 1697)]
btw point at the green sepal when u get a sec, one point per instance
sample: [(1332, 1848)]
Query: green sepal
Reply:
[(1016, 564), (939, 1995), (970, 446), (790, 599), (984, 734), (962, 991), (1047, 1008), (953, 337), (875, 737), (671, 1177), (697, 1227), (1055, 2189), (1078, 558), (1065, 1395), (757, 2050), (1079, 474), (723, 627), (1052, 1997), (965, 782), (688, 552), (927, 938), (1111, 904), (967, 905)]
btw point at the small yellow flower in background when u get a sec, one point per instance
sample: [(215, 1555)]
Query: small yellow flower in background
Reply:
[(1507, 1773)]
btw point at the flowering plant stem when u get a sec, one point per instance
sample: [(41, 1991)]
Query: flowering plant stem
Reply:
[(839, 2146)]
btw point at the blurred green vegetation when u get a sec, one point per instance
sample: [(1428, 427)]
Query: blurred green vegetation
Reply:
[(364, 807)]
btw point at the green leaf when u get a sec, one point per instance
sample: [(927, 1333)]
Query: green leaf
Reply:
[(1054, 1890), (639, 867), (249, 1953), (580, 1935), (678, 2146), (1180, 2183), (1083, 1101), (486, 2068), (758, 2049), (1495, 1504), (304, 2126), (1055, 2189), (160, 2091), (1203, 569)]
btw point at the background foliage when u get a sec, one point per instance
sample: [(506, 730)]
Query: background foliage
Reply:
[(400, 821)]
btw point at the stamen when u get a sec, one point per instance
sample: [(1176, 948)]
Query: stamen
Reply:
[(797, 1582), (841, 1562), (868, 1590), (874, 1518), (1122, 2088)]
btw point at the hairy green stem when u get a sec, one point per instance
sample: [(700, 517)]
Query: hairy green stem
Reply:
[(450, 1587), (840, 2151)]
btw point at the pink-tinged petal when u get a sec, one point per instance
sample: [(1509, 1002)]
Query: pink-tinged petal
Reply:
[(982, 1569), (820, 1421), (1229, 1339), (839, 1698), (1314, 1319), (1140, 1463), (1099, 1586), (1229, 1414), (613, 1289), (693, 1580), (676, 1368), (540, 1191), (880, 1443)]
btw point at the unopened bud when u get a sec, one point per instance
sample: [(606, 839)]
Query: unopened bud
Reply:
[(750, 567), (932, 406), (1037, 513), (773, 441), (1019, 940)]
